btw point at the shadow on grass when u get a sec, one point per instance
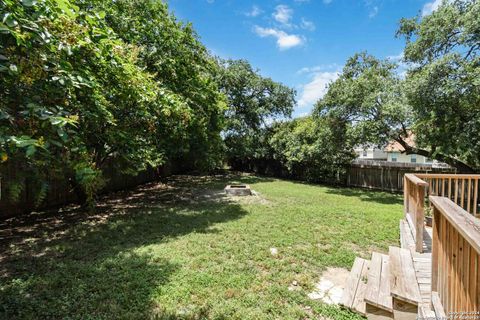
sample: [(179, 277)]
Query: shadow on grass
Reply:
[(368, 195), (254, 179), (75, 265)]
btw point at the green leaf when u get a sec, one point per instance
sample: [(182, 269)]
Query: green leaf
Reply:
[(29, 3), (9, 20), (30, 151), (4, 28)]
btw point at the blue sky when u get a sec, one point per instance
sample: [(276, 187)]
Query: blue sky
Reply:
[(302, 43)]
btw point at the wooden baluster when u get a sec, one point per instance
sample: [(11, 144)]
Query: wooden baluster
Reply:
[(475, 197), (469, 191), (450, 188), (443, 187), (462, 201), (419, 218), (435, 248), (443, 278), (456, 190)]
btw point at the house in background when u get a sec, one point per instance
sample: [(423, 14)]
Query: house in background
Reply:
[(370, 152), (396, 153)]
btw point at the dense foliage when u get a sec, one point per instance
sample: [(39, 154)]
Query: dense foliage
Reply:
[(309, 148), (253, 102), (179, 63), (444, 83), (369, 96), (313, 149), (88, 86), (78, 93)]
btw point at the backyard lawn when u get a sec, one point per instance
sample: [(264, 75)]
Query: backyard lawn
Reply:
[(182, 250)]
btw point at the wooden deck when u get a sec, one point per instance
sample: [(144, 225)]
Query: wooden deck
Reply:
[(422, 261), (435, 272)]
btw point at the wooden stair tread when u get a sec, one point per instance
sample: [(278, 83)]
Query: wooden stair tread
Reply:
[(403, 279), (354, 293), (406, 237), (378, 286), (438, 307)]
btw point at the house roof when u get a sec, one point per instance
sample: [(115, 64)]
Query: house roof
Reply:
[(394, 146)]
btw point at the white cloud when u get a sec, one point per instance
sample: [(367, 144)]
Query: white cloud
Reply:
[(307, 25), (396, 58), (373, 12), (255, 11), (316, 69), (316, 88), (283, 14), (403, 66), (430, 7), (284, 40)]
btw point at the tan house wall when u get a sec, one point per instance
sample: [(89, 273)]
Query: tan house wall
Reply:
[(402, 157)]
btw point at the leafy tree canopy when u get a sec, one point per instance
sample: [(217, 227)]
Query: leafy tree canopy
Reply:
[(368, 95), (443, 86), (313, 149), (253, 102)]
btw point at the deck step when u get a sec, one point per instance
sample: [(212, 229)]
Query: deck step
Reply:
[(354, 293), (406, 238), (438, 307), (378, 286), (403, 279)]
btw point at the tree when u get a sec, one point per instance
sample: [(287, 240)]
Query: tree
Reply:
[(253, 101), (377, 103), (68, 87), (443, 85), (171, 52), (78, 95), (368, 95), (313, 149)]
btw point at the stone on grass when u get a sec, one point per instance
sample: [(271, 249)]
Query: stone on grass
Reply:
[(330, 287)]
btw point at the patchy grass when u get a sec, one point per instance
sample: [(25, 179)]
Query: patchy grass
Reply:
[(182, 250)]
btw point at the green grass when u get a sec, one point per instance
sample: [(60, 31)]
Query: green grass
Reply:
[(186, 253)]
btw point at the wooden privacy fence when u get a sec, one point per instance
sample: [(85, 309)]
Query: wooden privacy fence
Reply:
[(59, 190), (455, 260), (384, 175)]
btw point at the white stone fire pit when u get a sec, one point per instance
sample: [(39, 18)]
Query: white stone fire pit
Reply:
[(238, 190)]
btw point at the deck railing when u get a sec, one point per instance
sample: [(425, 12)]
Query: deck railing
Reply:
[(462, 189), (414, 207), (455, 259)]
